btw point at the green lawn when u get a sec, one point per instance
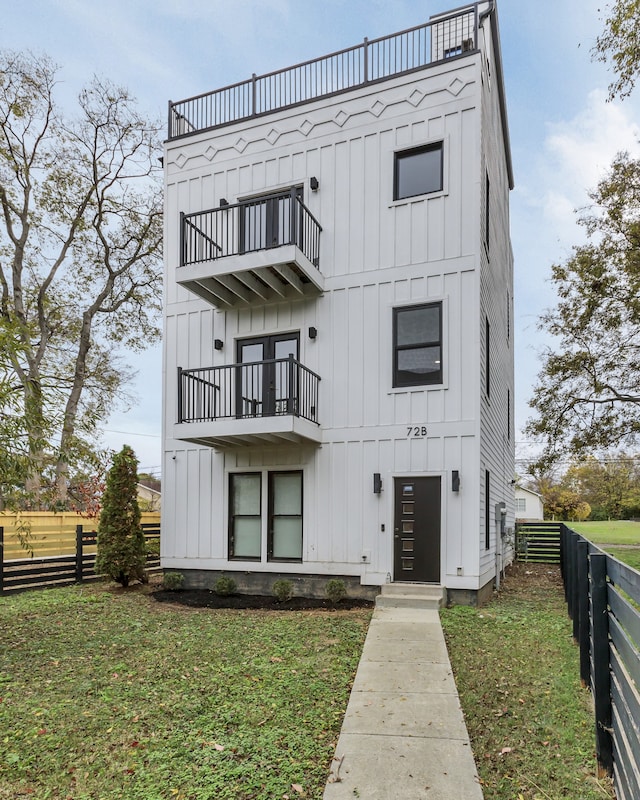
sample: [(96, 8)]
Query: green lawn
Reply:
[(518, 676), (107, 694), (614, 532), (609, 534)]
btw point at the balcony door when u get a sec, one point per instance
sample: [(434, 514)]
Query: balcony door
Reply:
[(267, 382), (271, 221)]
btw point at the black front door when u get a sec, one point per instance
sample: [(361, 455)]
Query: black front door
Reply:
[(416, 535), (267, 381)]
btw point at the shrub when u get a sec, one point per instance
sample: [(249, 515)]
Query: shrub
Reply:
[(225, 586), (335, 590), (122, 551), (173, 581), (282, 590)]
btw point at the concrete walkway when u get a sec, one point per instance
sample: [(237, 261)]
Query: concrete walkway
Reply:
[(403, 735)]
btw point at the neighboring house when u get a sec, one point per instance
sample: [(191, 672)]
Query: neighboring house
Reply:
[(528, 505), (338, 344), (149, 499)]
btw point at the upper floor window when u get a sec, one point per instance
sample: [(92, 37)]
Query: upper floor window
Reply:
[(418, 171), (417, 345)]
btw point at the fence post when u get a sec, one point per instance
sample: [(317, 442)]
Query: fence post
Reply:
[(601, 678), (366, 60), (583, 610), (254, 82), (79, 565), (571, 562), (1, 559)]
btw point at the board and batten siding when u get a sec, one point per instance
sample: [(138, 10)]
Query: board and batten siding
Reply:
[(375, 254)]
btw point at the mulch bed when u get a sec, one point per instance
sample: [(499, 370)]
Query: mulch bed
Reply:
[(203, 598)]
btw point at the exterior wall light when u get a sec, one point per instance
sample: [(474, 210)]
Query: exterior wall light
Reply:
[(218, 344), (455, 480), (313, 332), (223, 202), (313, 183), (377, 483)]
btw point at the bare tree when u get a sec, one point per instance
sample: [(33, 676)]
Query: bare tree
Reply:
[(80, 258)]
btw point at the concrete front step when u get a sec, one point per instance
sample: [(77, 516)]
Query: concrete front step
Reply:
[(410, 595)]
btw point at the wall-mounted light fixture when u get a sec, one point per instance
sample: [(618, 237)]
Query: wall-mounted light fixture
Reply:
[(455, 480), (218, 344), (223, 202), (313, 183), (377, 483), (313, 332)]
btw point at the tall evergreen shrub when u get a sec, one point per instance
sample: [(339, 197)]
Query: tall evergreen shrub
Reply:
[(121, 546)]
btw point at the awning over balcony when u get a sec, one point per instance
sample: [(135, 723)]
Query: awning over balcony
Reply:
[(251, 253), (242, 405)]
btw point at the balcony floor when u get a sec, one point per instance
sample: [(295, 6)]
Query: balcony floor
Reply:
[(255, 278), (223, 434)]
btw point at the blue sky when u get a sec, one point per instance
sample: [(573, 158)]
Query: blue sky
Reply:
[(563, 132)]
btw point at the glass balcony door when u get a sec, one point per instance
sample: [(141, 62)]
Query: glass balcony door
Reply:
[(271, 221), (267, 381)]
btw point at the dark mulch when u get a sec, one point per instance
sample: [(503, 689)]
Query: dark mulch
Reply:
[(203, 598)]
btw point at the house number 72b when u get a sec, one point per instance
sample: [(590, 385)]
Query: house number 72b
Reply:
[(416, 431)]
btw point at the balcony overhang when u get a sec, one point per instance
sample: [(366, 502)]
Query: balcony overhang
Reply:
[(256, 278), (249, 432)]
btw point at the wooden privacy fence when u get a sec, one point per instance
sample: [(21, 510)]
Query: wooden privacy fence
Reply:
[(603, 597), (538, 542), (61, 554)]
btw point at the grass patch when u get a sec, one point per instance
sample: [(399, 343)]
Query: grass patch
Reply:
[(628, 555), (107, 694), (615, 532), (517, 672)]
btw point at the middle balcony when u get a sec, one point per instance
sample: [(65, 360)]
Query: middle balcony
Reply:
[(257, 403), (258, 251)]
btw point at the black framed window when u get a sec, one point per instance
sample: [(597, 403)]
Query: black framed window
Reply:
[(418, 171), (417, 345), (245, 516), (487, 357), (285, 516), (487, 510), (487, 211)]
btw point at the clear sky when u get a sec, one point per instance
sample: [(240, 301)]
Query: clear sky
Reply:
[(563, 132)]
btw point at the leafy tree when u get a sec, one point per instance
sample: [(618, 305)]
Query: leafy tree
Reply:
[(587, 397), (619, 45), (121, 545), (80, 253), (611, 486)]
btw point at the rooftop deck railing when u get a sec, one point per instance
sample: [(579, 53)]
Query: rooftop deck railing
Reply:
[(274, 387), (415, 48), (261, 224)]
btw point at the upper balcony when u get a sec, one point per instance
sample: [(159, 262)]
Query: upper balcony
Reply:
[(273, 401), (254, 252), (445, 36)]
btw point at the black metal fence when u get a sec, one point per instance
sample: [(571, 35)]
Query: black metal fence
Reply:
[(261, 224), (538, 542), (603, 597), (275, 387), (415, 48), (42, 573)]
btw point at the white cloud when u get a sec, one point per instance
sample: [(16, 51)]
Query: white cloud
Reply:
[(577, 154)]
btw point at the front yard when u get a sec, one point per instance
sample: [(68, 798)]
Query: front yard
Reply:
[(107, 694)]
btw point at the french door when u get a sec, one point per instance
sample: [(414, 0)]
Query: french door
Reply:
[(267, 379), (271, 221)]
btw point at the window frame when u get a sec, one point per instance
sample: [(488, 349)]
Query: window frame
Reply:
[(433, 379), (266, 516), (414, 151)]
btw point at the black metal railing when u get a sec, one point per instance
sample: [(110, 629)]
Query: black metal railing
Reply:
[(275, 387), (233, 229), (415, 48)]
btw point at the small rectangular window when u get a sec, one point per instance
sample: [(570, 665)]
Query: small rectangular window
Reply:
[(487, 510), (487, 357), (418, 171), (521, 505), (487, 215), (417, 345)]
